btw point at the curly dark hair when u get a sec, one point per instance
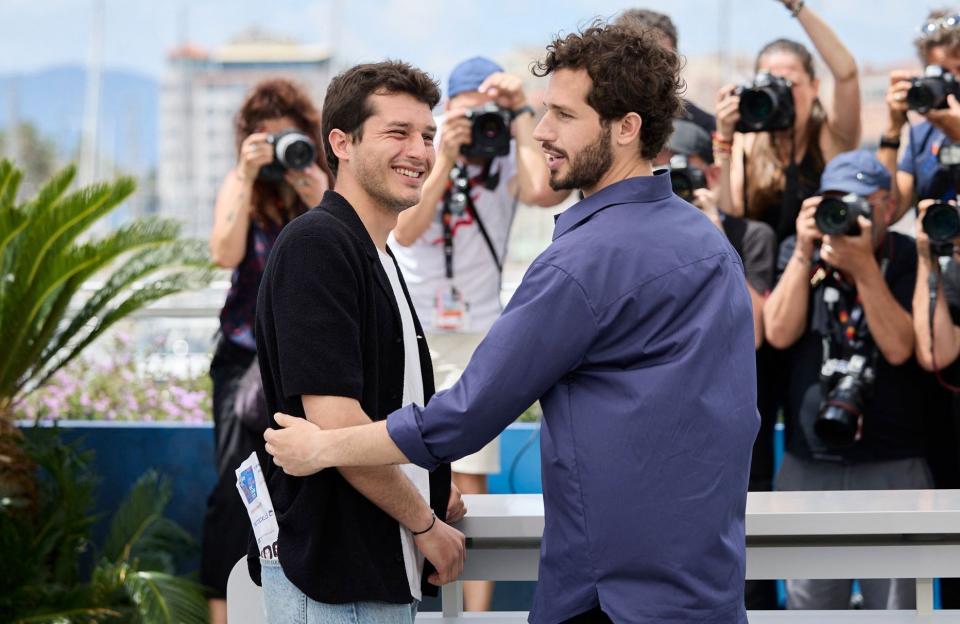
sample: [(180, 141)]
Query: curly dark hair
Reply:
[(347, 104), (271, 99), (645, 19), (942, 33), (630, 71)]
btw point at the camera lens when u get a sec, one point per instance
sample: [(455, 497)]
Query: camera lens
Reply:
[(833, 216), (920, 97), (491, 128), (756, 106), (942, 222), (836, 426)]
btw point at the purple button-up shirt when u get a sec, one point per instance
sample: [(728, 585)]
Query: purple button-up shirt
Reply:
[(634, 330)]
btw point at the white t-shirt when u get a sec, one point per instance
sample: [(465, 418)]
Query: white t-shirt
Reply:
[(412, 393), (475, 273)]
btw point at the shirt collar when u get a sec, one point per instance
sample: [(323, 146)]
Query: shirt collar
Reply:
[(337, 205), (636, 190)]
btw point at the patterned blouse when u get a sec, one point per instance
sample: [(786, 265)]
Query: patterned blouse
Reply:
[(239, 310)]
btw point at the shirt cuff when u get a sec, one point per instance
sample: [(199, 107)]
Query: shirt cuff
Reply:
[(403, 426)]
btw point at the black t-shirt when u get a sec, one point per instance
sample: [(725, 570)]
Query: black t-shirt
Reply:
[(943, 420), (892, 422), (328, 324), (756, 243)]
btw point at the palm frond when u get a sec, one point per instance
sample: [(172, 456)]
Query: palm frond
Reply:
[(137, 516), (10, 178), (164, 599)]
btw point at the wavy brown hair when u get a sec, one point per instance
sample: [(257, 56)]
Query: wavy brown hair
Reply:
[(630, 71), (271, 99), (766, 177)]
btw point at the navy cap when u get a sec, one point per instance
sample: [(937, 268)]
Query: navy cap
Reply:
[(690, 139), (855, 172), (470, 74)]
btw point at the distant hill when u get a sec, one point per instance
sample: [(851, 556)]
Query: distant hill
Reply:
[(52, 100)]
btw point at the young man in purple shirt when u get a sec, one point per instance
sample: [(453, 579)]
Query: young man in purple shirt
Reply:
[(634, 330)]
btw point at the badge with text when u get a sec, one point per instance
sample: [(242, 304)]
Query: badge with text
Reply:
[(256, 498), (450, 311)]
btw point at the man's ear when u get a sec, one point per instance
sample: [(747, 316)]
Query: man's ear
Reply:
[(627, 129), (341, 143)]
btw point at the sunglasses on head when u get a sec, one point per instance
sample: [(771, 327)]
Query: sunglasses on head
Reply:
[(933, 26)]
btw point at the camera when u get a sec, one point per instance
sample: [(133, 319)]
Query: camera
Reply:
[(291, 150), (490, 131), (766, 104), (942, 222), (837, 216), (840, 418), (930, 91), (685, 178)]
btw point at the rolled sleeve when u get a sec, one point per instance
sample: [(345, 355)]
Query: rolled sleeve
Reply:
[(403, 426), (543, 334)]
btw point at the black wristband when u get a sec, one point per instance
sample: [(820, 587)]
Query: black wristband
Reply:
[(523, 109), (888, 143), (432, 522)]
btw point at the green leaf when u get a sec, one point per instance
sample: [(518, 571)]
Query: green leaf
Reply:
[(165, 599)]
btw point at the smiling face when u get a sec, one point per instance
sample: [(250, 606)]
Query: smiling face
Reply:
[(394, 153), (572, 136)]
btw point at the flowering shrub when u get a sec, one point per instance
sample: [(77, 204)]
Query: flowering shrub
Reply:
[(115, 384)]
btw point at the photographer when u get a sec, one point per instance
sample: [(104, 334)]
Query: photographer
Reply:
[(451, 245), (919, 170), (769, 167), (938, 347), (689, 154), (855, 392), (258, 197)]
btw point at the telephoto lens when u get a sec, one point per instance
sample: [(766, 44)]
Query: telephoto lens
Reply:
[(837, 216), (942, 222), (766, 104), (684, 178)]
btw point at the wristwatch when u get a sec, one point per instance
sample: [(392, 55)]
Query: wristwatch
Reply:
[(523, 109), (888, 143)]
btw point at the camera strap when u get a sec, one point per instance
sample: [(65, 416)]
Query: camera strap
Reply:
[(846, 321), (489, 182)]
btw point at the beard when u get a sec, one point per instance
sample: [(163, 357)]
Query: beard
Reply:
[(588, 165), (373, 179)]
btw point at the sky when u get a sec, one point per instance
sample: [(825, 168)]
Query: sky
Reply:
[(432, 34)]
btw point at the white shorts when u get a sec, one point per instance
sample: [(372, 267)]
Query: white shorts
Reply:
[(450, 353)]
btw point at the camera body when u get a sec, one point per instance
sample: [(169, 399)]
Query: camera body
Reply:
[(847, 383), (766, 104), (490, 131), (837, 216), (292, 149), (930, 91), (685, 178)]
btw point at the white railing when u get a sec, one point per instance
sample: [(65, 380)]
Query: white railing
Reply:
[(826, 535)]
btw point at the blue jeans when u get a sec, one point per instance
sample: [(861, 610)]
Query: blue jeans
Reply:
[(285, 604)]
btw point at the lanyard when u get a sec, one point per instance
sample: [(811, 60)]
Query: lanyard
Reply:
[(457, 200)]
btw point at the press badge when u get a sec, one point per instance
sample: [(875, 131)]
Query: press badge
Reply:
[(450, 311), (256, 498)]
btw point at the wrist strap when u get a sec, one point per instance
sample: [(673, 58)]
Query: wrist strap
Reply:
[(887, 142), (432, 522), (523, 109)]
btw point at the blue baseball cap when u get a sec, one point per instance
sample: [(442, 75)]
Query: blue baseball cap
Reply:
[(855, 172), (470, 74)]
